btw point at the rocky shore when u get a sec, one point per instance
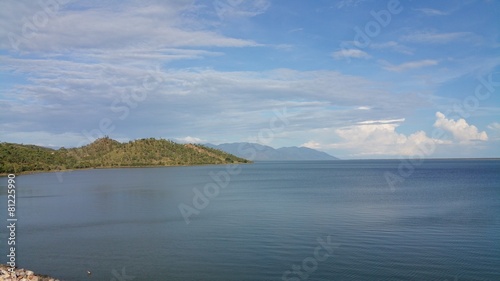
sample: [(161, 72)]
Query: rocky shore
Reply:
[(21, 275)]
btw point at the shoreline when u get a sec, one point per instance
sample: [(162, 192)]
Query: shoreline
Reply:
[(22, 274), (242, 163), (117, 167)]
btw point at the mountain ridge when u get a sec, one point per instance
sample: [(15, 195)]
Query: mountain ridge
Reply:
[(259, 152), (108, 153)]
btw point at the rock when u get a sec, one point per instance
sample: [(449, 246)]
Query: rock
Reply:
[(20, 274)]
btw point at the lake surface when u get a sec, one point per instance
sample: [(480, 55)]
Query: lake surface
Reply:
[(328, 220)]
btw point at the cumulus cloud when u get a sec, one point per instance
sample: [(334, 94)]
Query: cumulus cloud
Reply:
[(461, 130), (379, 137)]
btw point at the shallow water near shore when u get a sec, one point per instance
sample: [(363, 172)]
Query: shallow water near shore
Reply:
[(439, 223)]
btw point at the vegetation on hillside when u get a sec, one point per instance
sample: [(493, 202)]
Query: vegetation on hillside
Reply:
[(106, 153)]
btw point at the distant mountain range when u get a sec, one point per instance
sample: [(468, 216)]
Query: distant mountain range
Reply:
[(258, 152)]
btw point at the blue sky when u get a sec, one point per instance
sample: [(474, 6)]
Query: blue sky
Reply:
[(354, 78)]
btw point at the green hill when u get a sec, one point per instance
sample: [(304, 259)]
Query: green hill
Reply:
[(107, 153)]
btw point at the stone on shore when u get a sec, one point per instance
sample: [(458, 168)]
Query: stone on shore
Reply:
[(21, 274)]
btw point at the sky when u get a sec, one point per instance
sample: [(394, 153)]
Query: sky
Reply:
[(358, 79)]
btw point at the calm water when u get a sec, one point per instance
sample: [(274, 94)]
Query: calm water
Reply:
[(441, 223)]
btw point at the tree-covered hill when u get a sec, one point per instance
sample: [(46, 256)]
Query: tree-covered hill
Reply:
[(106, 153)]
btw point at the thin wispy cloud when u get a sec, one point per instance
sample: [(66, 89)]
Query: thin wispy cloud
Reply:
[(392, 121), (436, 38), (350, 53), (410, 65), (495, 126), (393, 46), (348, 3), (431, 12), (156, 26), (296, 30), (241, 9)]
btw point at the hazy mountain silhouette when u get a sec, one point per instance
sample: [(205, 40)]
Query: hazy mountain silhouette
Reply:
[(258, 152)]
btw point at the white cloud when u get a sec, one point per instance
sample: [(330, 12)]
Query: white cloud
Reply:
[(46, 139), (495, 126), (410, 65), (153, 26), (91, 54), (296, 30), (379, 137), (350, 53), (190, 139), (348, 3), (436, 38), (145, 54), (393, 46), (312, 144), (189, 101), (241, 9), (431, 12), (460, 130), (494, 131), (389, 121)]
